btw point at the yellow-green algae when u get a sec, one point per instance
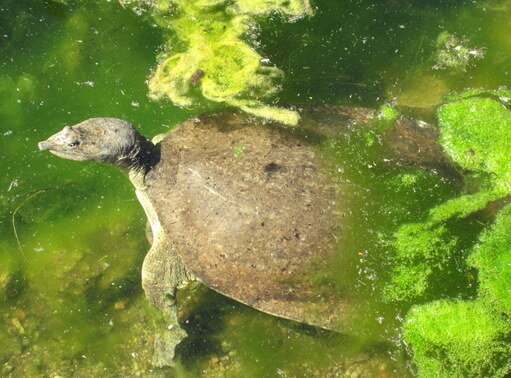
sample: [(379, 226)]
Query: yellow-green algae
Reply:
[(453, 337), (209, 37)]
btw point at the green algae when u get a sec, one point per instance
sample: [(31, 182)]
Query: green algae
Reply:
[(12, 281), (459, 339), (454, 53), (385, 118), (121, 68), (387, 112), (209, 37), (475, 133), (238, 150), (462, 338), (492, 258), (78, 291), (423, 250)]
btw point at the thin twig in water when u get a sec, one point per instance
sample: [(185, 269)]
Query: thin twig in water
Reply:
[(418, 49), (331, 359), (31, 195), (481, 223), (87, 167)]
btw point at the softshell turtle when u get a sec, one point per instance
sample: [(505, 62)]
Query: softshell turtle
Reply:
[(244, 206)]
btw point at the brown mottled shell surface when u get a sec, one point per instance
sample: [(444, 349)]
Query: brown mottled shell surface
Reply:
[(252, 211)]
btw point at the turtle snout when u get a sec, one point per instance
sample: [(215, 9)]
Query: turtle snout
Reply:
[(45, 145)]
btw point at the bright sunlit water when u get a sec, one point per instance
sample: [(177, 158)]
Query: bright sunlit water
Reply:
[(72, 234)]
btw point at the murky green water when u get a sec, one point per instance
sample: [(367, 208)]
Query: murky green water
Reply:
[(72, 234)]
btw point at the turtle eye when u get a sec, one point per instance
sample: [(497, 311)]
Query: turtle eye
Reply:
[(73, 144)]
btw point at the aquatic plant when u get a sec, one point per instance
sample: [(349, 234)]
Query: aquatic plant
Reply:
[(208, 54), (475, 133), (459, 339), (423, 250), (492, 257), (470, 338), (463, 338), (385, 118)]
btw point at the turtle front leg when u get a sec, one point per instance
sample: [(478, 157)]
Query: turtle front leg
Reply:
[(166, 340), (162, 273)]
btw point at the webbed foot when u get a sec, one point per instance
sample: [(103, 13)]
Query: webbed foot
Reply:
[(166, 341)]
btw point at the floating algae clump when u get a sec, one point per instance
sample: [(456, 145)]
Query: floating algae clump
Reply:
[(454, 54), (210, 58), (459, 339), (476, 134)]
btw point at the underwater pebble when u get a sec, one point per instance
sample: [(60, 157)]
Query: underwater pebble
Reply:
[(6, 368), (20, 314), (362, 357), (16, 323)]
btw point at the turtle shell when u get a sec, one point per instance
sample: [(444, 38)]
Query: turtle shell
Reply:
[(253, 213)]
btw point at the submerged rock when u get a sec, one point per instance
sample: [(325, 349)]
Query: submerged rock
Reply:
[(11, 282)]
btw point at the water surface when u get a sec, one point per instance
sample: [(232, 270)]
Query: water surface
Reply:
[(72, 234)]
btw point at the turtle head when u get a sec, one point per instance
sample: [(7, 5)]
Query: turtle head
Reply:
[(103, 140)]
